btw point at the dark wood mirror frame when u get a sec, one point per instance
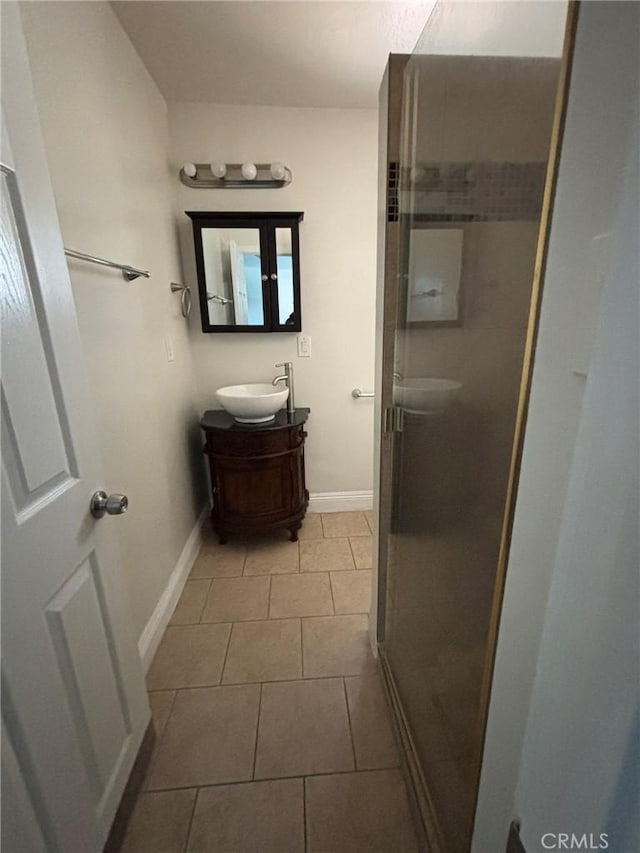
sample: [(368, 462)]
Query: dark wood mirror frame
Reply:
[(266, 224)]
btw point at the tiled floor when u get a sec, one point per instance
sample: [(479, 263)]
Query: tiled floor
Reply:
[(273, 730)]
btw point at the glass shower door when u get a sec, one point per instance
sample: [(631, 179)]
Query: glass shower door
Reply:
[(477, 134)]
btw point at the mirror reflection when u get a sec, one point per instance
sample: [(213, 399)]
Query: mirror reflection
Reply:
[(233, 272), (435, 266), (284, 266)]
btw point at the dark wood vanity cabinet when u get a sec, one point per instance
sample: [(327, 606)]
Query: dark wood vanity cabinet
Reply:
[(257, 473)]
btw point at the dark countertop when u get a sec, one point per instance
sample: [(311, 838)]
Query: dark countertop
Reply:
[(219, 419)]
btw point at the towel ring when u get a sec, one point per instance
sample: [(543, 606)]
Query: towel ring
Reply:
[(185, 298)]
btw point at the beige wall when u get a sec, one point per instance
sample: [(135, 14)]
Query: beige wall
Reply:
[(333, 156), (105, 130)]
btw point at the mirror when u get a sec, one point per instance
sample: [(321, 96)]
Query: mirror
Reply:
[(248, 271), (234, 276), (435, 272), (284, 269)]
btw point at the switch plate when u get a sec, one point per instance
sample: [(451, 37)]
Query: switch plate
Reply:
[(304, 346), (168, 346)]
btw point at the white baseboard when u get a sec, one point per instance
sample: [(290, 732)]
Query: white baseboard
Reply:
[(155, 627), (340, 501)]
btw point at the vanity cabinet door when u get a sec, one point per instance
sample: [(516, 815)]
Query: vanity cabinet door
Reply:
[(257, 489)]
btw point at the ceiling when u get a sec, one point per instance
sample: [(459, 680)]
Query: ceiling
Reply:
[(301, 53)]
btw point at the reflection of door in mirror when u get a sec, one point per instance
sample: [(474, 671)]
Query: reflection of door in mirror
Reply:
[(220, 311), (240, 303), (253, 283), (234, 276), (285, 275)]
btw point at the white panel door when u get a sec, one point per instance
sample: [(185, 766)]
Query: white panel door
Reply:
[(239, 284), (74, 706)]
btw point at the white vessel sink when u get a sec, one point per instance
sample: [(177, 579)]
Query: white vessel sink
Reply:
[(252, 404), (426, 395)]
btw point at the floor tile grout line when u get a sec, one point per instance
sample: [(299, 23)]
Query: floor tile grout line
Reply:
[(250, 781), (346, 701), (301, 649), (269, 597), (255, 746), (267, 681), (206, 598), (159, 739), (353, 554), (304, 812), (173, 704), (226, 655), (276, 618), (193, 813), (279, 574), (333, 598)]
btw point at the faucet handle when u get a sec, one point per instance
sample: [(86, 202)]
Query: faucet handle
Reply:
[(285, 364)]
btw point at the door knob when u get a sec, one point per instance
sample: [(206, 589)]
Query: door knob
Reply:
[(102, 503)]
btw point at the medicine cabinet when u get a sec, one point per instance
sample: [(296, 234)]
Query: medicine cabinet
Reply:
[(248, 267)]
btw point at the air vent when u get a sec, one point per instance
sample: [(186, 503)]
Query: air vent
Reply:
[(393, 177)]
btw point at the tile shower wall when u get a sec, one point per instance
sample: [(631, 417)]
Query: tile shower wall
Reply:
[(476, 192)]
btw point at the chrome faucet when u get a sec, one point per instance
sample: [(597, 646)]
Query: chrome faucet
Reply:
[(287, 376)]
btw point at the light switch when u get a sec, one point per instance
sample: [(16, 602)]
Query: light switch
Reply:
[(304, 346), (168, 346)]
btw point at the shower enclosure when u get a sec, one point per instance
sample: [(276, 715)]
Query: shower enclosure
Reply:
[(467, 201)]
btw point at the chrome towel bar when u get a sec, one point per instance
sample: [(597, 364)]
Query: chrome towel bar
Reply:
[(357, 393), (128, 273)]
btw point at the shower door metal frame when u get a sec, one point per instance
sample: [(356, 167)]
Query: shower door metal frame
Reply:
[(422, 804), (389, 232)]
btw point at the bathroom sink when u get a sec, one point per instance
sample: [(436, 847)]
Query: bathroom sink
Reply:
[(426, 395), (252, 404)]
